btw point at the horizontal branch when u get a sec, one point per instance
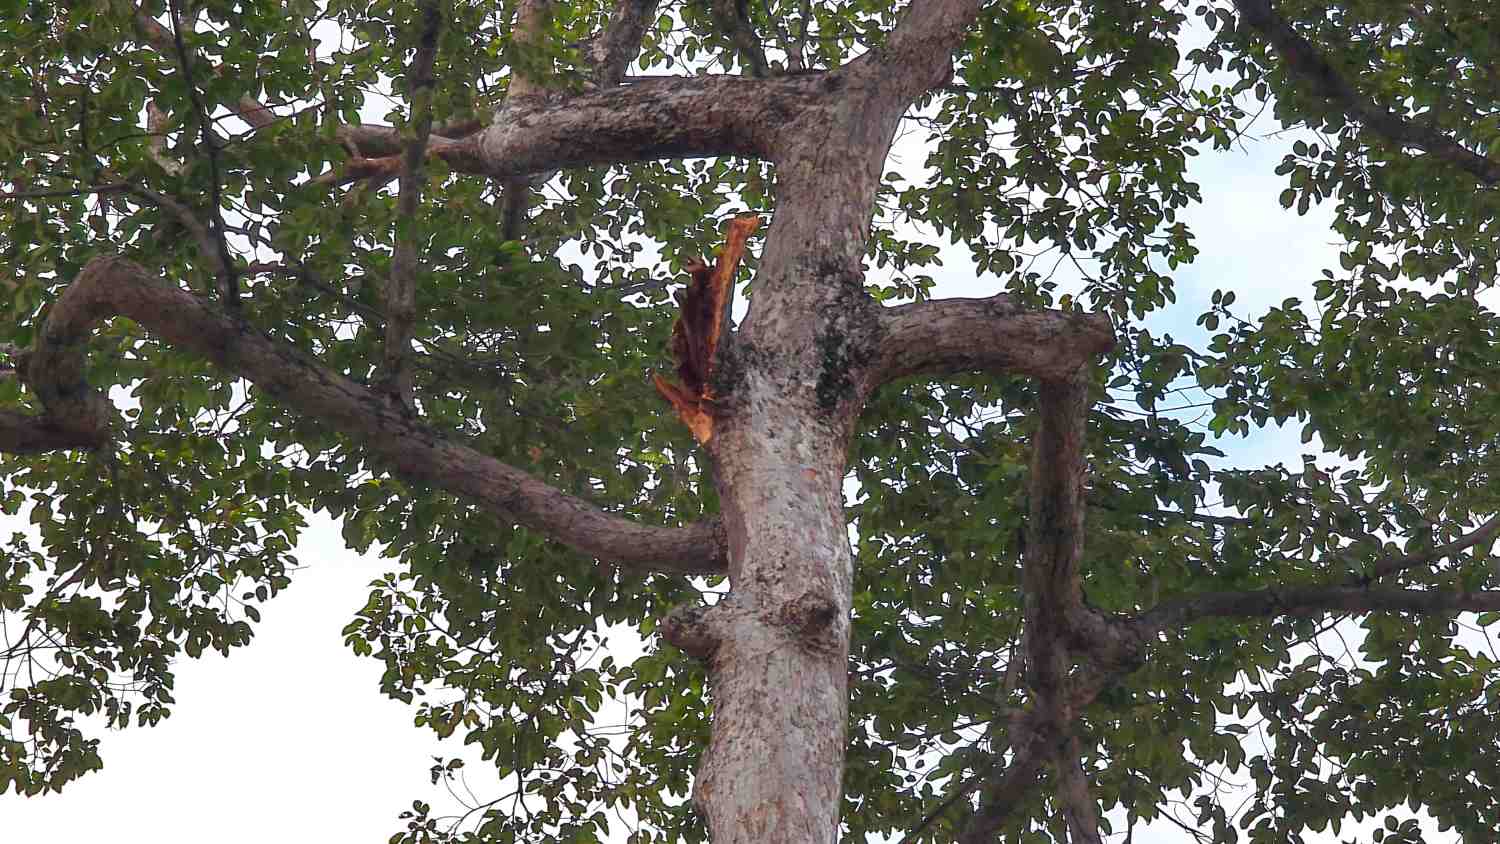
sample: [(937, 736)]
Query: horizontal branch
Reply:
[(679, 117), (35, 433), (1304, 62), (943, 336), (109, 287), (1311, 601)]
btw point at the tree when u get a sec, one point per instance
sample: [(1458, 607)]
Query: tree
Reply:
[(231, 298)]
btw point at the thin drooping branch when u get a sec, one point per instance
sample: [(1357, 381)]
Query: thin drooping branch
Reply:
[(944, 336), (400, 293), (75, 412), (1311, 601), (227, 274), (611, 52), (681, 117), (1306, 63)]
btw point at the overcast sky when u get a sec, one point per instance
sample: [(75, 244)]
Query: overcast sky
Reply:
[(289, 739)]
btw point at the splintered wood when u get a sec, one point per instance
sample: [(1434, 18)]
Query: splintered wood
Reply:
[(696, 334)]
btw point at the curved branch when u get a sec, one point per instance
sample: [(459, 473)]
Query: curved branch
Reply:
[(115, 286), (943, 336), (1306, 63)]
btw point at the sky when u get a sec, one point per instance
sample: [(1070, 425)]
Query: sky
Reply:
[(289, 739)]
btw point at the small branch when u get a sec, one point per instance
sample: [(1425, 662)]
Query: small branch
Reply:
[(1311, 601), (1080, 809), (732, 18), (1004, 791), (1396, 565), (961, 791), (611, 51), (943, 336), (1304, 62), (185, 216), (401, 288), (228, 276), (419, 453), (161, 39), (695, 630)]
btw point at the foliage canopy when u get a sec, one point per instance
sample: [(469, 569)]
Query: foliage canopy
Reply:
[(198, 141)]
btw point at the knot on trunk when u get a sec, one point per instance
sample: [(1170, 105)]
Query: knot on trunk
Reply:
[(808, 618), (693, 631)]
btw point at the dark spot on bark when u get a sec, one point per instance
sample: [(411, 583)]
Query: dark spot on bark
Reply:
[(730, 369), (808, 618), (834, 363), (846, 342)]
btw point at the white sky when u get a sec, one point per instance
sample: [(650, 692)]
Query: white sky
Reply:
[(289, 739)]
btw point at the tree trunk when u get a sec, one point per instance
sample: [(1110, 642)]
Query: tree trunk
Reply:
[(774, 768)]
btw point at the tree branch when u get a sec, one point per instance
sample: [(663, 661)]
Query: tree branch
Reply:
[(161, 39), (1318, 600), (1005, 790), (1312, 601), (400, 294), (612, 50), (115, 286), (1396, 565), (1317, 73), (919, 55), (1079, 808), (943, 336), (732, 17), (227, 275), (682, 117)]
